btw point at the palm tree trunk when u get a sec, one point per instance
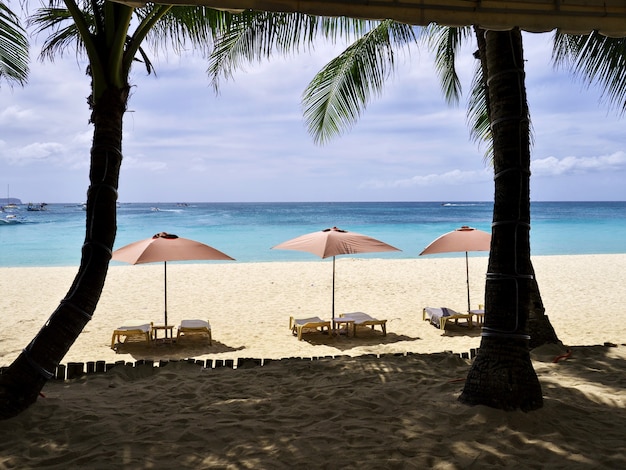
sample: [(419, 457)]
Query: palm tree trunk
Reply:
[(21, 383), (502, 375)]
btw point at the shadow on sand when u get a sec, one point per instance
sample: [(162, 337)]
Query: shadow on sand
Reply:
[(365, 337), (172, 350), (461, 330)]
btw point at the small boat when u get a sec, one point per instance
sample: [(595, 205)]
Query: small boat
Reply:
[(37, 207), (10, 219), (11, 206)]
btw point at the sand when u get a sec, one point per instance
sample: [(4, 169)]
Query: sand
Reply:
[(340, 402)]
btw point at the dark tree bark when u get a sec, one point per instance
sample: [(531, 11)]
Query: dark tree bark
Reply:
[(22, 382), (502, 375)]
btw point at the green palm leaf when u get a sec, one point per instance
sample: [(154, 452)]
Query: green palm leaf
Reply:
[(340, 92), (253, 36), (478, 113), (13, 47), (596, 59), (445, 42)]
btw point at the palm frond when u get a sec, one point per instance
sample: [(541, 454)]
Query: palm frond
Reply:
[(596, 59), (63, 35), (253, 36), (180, 27), (478, 113), (340, 92), (445, 42), (13, 47)]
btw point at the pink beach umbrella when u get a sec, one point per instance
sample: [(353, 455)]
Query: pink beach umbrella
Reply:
[(333, 242), (167, 247), (462, 239)]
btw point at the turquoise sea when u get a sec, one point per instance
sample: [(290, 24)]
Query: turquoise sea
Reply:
[(247, 231)]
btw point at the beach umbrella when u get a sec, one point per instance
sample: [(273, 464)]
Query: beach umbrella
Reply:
[(462, 239), (333, 242), (167, 247)]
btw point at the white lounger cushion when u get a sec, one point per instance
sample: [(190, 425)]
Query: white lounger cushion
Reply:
[(194, 324), (145, 328)]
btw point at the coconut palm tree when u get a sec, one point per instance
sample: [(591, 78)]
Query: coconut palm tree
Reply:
[(110, 35), (502, 375), (13, 48)]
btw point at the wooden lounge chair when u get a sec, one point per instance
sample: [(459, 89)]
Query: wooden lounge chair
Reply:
[(439, 316), (142, 332), (194, 328), (479, 314), (300, 325), (363, 319)]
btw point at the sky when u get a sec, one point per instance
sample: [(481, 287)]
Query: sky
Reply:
[(249, 143)]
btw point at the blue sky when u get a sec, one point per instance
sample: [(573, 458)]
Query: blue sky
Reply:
[(184, 143)]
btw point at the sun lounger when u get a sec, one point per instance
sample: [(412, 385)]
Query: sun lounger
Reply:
[(480, 315), (439, 316), (141, 332), (300, 325), (194, 328), (363, 319)]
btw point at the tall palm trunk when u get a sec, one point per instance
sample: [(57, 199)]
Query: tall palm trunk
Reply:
[(502, 375), (21, 383)]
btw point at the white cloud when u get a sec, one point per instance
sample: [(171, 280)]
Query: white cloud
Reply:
[(13, 114), (138, 163), (34, 153), (450, 178), (553, 166), (83, 139)]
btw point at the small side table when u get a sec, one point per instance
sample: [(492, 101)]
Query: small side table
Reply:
[(168, 332), (480, 316), (346, 321)]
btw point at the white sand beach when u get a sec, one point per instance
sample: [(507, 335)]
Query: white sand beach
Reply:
[(364, 402)]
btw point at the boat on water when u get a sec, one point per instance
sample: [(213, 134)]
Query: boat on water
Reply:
[(10, 204), (42, 206), (8, 219)]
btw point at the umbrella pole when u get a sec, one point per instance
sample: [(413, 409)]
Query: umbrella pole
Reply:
[(333, 310), (467, 277), (165, 289)]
